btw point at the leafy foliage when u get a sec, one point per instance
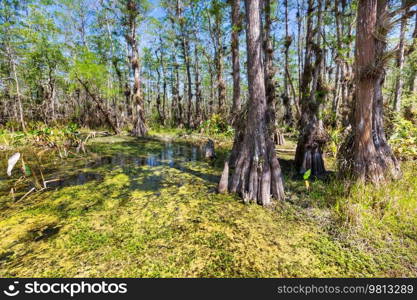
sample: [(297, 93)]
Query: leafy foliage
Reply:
[(216, 125), (404, 139), (335, 140)]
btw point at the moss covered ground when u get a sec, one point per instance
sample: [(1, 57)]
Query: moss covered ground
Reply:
[(148, 208)]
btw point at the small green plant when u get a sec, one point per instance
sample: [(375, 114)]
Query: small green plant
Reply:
[(71, 128), (306, 178), (334, 142)]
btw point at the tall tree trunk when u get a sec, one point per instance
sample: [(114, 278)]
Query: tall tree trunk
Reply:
[(164, 81), (288, 115), (221, 85), (198, 93), (179, 115), (158, 96), (299, 49), (270, 73), (366, 165), (339, 62), (312, 136), (174, 92), (411, 81), (400, 64), (186, 54), (164, 96), (139, 128), (236, 28), (185, 47), (217, 36), (211, 100), (372, 158), (257, 174), (18, 94), (385, 154), (236, 113)]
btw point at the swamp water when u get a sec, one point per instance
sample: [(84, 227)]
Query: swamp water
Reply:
[(148, 208), (61, 173)]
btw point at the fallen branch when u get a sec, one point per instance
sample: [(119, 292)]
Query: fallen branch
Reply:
[(27, 194), (48, 181)]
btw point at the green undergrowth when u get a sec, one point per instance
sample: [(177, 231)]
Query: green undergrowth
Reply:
[(195, 137), (146, 215)]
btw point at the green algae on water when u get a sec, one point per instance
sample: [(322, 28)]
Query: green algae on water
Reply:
[(149, 208)]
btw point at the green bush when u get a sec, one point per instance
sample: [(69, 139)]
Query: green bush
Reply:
[(404, 139), (216, 125)]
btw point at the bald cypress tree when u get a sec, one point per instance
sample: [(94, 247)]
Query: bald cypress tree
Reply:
[(372, 159), (257, 173)]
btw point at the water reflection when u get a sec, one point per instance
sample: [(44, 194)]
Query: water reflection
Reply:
[(76, 179), (171, 154)]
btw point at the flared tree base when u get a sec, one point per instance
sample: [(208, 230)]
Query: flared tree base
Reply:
[(375, 164), (139, 129), (257, 175), (309, 155)]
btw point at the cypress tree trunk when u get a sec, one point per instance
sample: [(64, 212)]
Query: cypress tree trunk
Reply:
[(221, 85), (413, 74), (389, 161), (217, 37), (372, 159), (366, 165), (185, 48), (257, 174), (139, 128), (174, 94), (164, 83), (400, 64), (236, 113), (236, 27), (288, 115), (18, 94), (312, 136), (269, 74), (198, 93), (158, 97)]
